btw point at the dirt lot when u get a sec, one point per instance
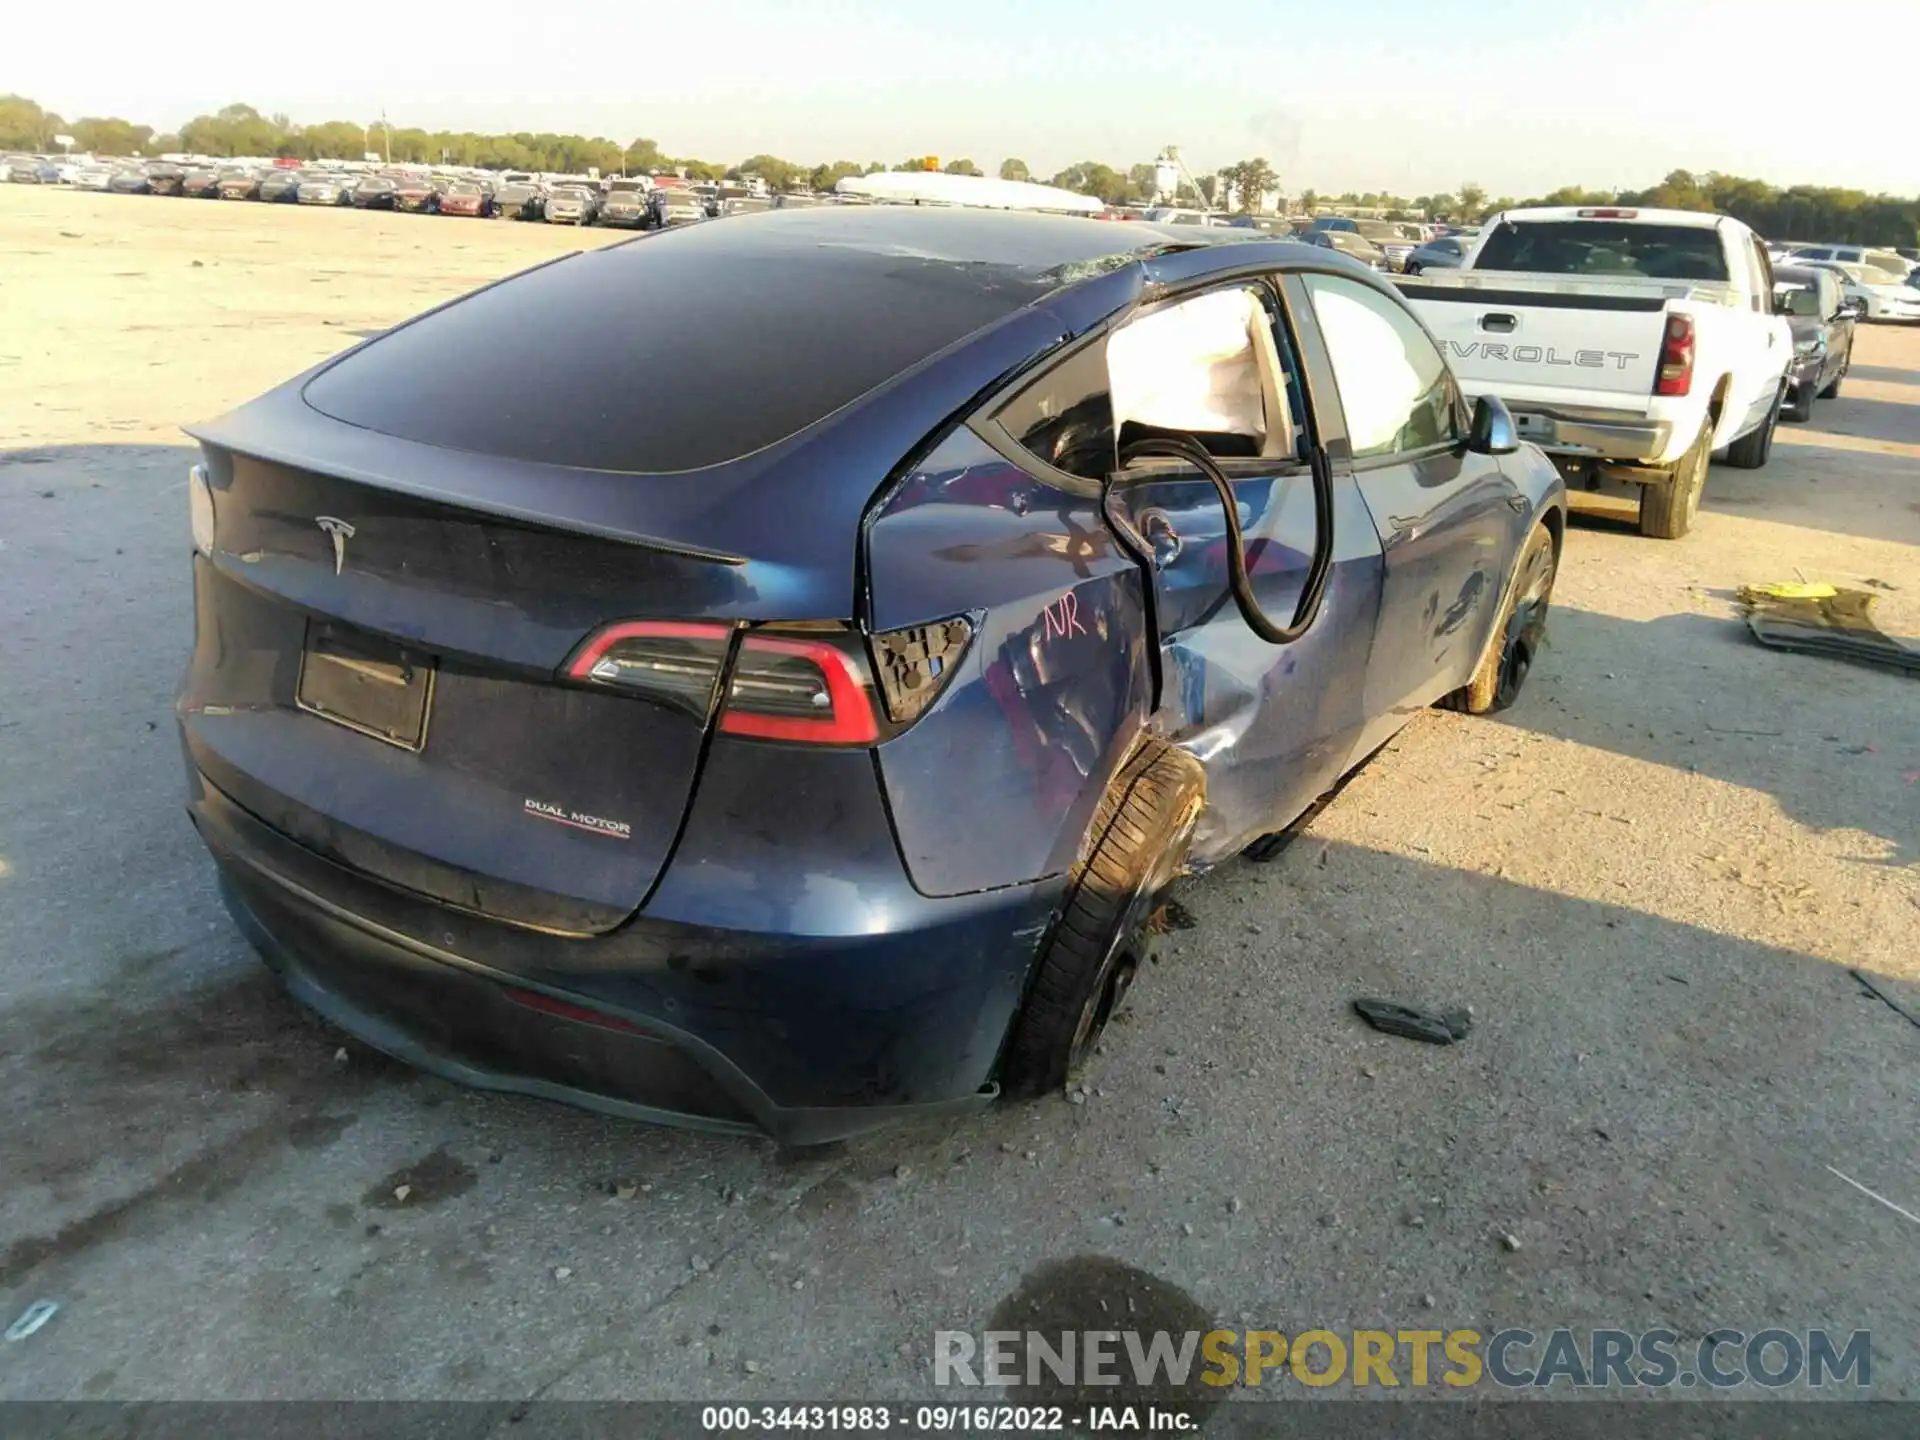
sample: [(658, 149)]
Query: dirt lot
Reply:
[(1649, 879)]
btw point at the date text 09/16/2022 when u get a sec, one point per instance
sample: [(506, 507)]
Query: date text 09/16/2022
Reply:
[(943, 1419)]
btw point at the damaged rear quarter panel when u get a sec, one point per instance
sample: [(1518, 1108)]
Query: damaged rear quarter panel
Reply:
[(997, 783)]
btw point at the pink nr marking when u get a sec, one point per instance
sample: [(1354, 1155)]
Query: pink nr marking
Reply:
[(1067, 622)]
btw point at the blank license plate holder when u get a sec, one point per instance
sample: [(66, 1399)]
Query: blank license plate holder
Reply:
[(367, 684)]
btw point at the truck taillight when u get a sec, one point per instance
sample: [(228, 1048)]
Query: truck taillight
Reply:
[(1609, 214), (1675, 376), (778, 687)]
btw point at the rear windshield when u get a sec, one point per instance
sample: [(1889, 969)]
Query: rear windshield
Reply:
[(1605, 247), (683, 350)]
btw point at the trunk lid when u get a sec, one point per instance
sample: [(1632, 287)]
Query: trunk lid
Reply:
[(374, 675), (1508, 333)]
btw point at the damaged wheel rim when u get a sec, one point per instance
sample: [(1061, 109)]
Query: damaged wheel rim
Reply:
[(1528, 623)]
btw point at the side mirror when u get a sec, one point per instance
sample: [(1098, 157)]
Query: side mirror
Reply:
[(1493, 430)]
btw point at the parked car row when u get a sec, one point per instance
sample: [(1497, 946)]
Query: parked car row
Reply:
[(633, 202)]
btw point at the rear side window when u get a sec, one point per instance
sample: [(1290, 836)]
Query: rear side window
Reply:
[(1394, 387), (1065, 418), (1215, 368), (1606, 247)]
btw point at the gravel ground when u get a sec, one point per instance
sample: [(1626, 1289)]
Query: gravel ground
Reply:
[(1649, 879)]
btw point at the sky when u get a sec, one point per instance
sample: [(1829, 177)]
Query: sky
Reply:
[(1405, 96)]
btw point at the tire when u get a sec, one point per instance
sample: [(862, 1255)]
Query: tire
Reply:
[(1801, 410), (1140, 835), (1752, 449), (1832, 392), (1412, 269), (1518, 634), (1667, 507)]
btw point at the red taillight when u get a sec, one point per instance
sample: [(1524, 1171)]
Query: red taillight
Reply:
[(777, 688), (1608, 214), (1676, 358), (673, 662), (783, 689)]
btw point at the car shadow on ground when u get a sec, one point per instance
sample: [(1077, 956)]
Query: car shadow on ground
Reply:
[(1862, 417), (1815, 479), (1889, 374)]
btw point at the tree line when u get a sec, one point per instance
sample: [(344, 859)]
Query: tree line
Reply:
[(1798, 212)]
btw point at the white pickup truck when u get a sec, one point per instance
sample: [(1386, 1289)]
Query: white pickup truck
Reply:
[(1630, 345)]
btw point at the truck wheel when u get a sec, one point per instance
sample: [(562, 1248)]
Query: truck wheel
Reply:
[(1832, 392), (1801, 410), (1751, 450), (1140, 836), (1517, 635), (1667, 507)]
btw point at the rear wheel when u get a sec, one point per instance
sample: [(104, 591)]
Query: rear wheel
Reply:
[(1516, 638), (1667, 507), (1141, 833), (1751, 450), (1802, 408)]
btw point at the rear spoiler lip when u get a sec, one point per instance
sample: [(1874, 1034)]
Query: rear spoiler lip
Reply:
[(262, 436), (234, 432)]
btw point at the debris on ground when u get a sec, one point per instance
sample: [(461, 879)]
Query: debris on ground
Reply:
[(1867, 987), (1820, 619), (1171, 915), (32, 1319), (1435, 1027)]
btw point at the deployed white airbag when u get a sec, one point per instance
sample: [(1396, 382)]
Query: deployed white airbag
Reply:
[(1191, 367)]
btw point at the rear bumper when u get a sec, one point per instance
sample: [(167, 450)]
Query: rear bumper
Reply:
[(1593, 432), (805, 1038)]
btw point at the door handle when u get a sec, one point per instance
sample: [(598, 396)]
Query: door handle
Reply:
[(1499, 324)]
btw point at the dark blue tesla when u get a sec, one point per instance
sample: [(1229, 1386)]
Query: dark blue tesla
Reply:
[(759, 675)]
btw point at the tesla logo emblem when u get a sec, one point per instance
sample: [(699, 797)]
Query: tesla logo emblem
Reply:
[(341, 532)]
